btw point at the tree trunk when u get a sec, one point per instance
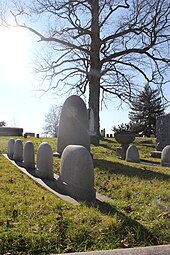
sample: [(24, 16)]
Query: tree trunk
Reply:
[(95, 71)]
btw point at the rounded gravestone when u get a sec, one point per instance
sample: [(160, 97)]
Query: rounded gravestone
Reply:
[(28, 157), (11, 143), (44, 161), (77, 173), (132, 154), (73, 125), (18, 151), (165, 156)]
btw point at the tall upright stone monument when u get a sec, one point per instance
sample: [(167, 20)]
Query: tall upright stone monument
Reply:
[(73, 125), (162, 131)]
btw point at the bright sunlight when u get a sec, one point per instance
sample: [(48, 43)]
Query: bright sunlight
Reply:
[(14, 54)]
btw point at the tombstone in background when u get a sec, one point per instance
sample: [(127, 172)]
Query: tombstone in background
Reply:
[(73, 125), (10, 152), (165, 156), (29, 134), (44, 161), (28, 156), (94, 138), (18, 151), (132, 154), (162, 131), (91, 121), (103, 132), (77, 173)]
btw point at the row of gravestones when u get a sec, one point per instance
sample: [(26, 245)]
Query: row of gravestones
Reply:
[(76, 176), (76, 169), (132, 155)]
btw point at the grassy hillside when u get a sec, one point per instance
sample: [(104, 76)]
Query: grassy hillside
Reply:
[(34, 221)]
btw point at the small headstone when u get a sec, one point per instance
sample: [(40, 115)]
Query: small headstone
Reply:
[(18, 151), (77, 173), (44, 161), (91, 122), (28, 157), (10, 152), (132, 154), (165, 156), (103, 132), (73, 125)]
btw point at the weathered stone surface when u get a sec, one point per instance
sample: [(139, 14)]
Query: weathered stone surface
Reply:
[(73, 125), (10, 152), (77, 173), (132, 154), (44, 161), (165, 156), (28, 157), (91, 121), (162, 131), (18, 151)]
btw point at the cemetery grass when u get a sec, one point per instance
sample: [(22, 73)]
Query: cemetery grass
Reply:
[(34, 221)]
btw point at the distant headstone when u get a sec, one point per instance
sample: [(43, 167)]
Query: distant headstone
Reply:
[(103, 132), (28, 157), (73, 125), (165, 156), (132, 154), (162, 131), (44, 161), (29, 134), (91, 122), (77, 173), (18, 151), (10, 152)]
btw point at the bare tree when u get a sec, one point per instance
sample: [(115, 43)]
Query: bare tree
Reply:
[(100, 46), (52, 121)]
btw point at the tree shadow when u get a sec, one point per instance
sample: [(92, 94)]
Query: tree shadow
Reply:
[(107, 140), (120, 169), (129, 226)]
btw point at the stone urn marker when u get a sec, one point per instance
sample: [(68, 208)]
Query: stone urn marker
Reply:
[(124, 138)]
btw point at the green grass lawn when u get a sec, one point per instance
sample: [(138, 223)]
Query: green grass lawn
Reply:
[(34, 221)]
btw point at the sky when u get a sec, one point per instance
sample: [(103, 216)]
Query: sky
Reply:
[(21, 103)]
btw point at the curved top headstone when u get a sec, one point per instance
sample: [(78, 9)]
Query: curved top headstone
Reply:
[(73, 125)]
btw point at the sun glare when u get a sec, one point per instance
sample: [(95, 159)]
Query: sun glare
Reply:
[(14, 53)]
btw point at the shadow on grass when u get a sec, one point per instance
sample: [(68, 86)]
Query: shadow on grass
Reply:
[(136, 233), (118, 168), (129, 227), (108, 140), (109, 143)]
